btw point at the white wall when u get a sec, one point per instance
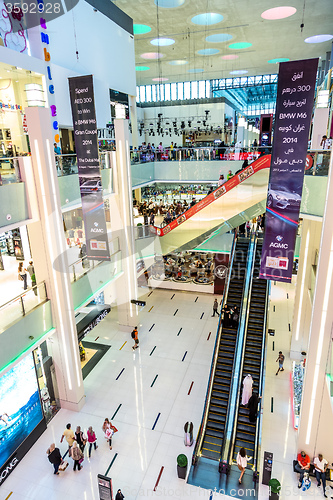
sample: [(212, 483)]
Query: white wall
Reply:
[(105, 50)]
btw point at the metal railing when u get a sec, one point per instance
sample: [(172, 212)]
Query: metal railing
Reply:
[(233, 403), (199, 154), (10, 170), (81, 267), (262, 382), (319, 163), (67, 164), (202, 428), (22, 304)]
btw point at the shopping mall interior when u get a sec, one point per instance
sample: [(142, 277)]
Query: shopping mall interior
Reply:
[(166, 249)]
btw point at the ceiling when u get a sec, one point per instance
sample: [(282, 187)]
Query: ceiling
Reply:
[(270, 39)]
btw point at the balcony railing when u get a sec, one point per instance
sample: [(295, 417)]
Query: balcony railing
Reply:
[(19, 306), (199, 154), (67, 164)]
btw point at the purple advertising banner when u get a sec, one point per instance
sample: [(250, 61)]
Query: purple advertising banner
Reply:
[(85, 135), (295, 94)]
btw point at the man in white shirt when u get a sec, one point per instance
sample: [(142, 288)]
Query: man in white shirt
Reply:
[(221, 180), (320, 465), (325, 143)]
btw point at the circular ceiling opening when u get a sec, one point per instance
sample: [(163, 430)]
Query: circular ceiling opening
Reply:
[(207, 19), (162, 42), (218, 38), (278, 13)]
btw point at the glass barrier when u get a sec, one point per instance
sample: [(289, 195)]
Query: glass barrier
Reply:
[(67, 164), (199, 154), (81, 267), (19, 306), (143, 231), (317, 162), (9, 170)]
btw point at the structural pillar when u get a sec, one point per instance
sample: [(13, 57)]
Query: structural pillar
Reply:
[(134, 120), (121, 210), (310, 241), (312, 428), (48, 249)]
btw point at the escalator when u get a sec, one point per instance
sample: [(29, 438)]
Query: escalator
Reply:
[(245, 431), (218, 404)]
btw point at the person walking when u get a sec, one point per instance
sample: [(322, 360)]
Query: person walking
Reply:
[(80, 438), (22, 275), (91, 440), (247, 389), (76, 454), (69, 435), (31, 268), (135, 337), (302, 466), (242, 460), (215, 307), (280, 359), (253, 407), (54, 457), (320, 465), (119, 495)]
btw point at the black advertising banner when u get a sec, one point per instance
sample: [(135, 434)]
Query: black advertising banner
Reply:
[(85, 134), (295, 94)]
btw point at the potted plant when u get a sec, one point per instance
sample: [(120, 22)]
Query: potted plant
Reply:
[(274, 489), (182, 466)]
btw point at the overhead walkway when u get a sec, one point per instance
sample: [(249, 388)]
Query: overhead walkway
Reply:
[(242, 197)]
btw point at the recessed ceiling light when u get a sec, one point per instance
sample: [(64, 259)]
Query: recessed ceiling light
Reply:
[(162, 79), (208, 52), (218, 38), (162, 42), (207, 19), (239, 72), (152, 55), (278, 60), (195, 70), (142, 68), (318, 38), (178, 62), (278, 13), (230, 57), (240, 45), (141, 29), (169, 4)]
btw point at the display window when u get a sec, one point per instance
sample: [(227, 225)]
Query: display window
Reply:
[(19, 88), (47, 384)]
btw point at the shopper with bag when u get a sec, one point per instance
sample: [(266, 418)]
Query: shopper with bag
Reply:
[(76, 454), (91, 440), (109, 430), (54, 457), (80, 438), (134, 336)]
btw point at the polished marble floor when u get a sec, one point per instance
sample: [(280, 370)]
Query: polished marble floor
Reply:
[(148, 391)]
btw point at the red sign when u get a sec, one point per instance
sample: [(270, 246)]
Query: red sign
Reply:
[(260, 164)]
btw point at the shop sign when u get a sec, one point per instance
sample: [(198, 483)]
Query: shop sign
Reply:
[(45, 39), (295, 95), (10, 107), (95, 322), (8, 468)]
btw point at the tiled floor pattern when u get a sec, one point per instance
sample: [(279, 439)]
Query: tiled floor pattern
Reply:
[(150, 386)]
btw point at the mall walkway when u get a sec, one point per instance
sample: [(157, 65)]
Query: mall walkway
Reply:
[(176, 346)]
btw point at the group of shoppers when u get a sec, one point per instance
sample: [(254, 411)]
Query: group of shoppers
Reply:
[(303, 466), (22, 275)]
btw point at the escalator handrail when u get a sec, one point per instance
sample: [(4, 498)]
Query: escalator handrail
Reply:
[(202, 427), (238, 358), (261, 163), (262, 380), (239, 388)]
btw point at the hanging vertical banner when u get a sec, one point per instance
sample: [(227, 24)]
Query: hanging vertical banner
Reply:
[(85, 135), (295, 94)]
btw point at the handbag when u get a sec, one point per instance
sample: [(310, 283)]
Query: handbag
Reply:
[(114, 428), (63, 466), (81, 460)]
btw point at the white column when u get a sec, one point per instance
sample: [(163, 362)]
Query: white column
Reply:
[(48, 249), (310, 242), (121, 211), (315, 387), (134, 120)]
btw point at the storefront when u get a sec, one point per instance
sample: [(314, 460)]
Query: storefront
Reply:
[(86, 319), (22, 420)]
